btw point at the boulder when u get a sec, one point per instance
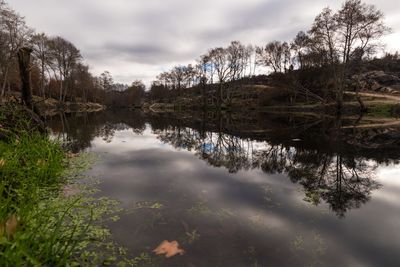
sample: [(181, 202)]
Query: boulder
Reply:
[(374, 86), (395, 87), (382, 78)]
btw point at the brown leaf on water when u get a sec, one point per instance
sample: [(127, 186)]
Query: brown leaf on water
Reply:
[(70, 191), (11, 226), (170, 249)]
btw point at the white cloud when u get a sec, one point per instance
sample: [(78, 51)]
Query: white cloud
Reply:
[(136, 39)]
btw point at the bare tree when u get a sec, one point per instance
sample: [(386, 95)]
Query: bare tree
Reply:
[(24, 61), (359, 26), (236, 53), (221, 63), (324, 32), (14, 34), (42, 53), (178, 76), (136, 92), (106, 81), (66, 57), (300, 47), (274, 54)]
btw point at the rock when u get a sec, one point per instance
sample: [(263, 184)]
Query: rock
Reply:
[(375, 86), (382, 78), (386, 89), (395, 87)]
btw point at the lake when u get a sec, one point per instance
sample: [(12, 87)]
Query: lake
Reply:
[(252, 189)]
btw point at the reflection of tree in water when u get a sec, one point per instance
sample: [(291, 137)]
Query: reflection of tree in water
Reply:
[(218, 149), (107, 131), (78, 130), (343, 179), (344, 182)]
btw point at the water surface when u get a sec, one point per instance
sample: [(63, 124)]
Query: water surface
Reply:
[(245, 189)]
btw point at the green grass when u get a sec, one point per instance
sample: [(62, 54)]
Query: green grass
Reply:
[(53, 229), (381, 111)]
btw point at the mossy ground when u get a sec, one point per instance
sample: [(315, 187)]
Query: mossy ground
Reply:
[(381, 111)]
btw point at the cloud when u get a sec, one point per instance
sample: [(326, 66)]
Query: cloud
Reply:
[(136, 39)]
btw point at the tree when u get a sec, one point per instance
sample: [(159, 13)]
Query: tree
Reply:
[(300, 46), (324, 32), (24, 61), (42, 53), (220, 60), (178, 76), (274, 55), (66, 57), (204, 74), (158, 92), (83, 82), (136, 92), (236, 54), (106, 81), (359, 25), (14, 34)]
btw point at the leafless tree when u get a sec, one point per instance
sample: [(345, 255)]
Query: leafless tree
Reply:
[(324, 32), (42, 53), (274, 55), (66, 57), (14, 34), (221, 63), (359, 25), (106, 81)]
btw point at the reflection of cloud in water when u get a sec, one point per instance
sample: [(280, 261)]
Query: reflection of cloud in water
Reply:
[(390, 177), (143, 169), (262, 184), (125, 141)]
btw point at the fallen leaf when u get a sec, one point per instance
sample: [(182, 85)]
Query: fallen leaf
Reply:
[(2, 162), (70, 191), (170, 249)]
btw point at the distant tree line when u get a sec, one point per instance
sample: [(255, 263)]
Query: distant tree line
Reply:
[(58, 69), (337, 42), (317, 63)]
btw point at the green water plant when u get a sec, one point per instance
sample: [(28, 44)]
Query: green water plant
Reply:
[(49, 215)]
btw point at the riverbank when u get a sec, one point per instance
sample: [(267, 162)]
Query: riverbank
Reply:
[(51, 106), (298, 91), (375, 104), (48, 214)]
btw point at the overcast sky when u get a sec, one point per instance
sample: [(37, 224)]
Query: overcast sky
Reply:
[(137, 39)]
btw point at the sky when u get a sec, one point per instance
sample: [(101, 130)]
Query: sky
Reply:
[(137, 39)]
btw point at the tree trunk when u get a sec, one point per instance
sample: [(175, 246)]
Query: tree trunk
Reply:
[(42, 80), (24, 61), (363, 108), (219, 96), (3, 89), (203, 92)]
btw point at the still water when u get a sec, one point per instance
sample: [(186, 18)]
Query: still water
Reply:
[(246, 189)]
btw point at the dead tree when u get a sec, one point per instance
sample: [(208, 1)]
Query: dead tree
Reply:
[(24, 62)]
